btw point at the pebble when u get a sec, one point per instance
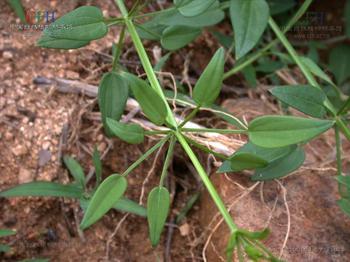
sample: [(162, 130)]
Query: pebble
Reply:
[(72, 75), (46, 145), (8, 135), (102, 147), (7, 55), (184, 229), (44, 157), (19, 150), (24, 176)]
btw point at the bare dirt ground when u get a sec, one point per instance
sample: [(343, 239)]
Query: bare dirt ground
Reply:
[(38, 125)]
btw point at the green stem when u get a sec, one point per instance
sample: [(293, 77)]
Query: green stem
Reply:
[(190, 116), (213, 130), (239, 250), (345, 107), (155, 84), (343, 127), (119, 49), (167, 160), (157, 132), (146, 155), (261, 52), (338, 153), (211, 189), (152, 78)]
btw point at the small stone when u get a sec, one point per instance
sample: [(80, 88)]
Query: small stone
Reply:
[(44, 157), (19, 150), (46, 145), (72, 75), (99, 137), (24, 176), (8, 136), (102, 147), (7, 55), (184, 229)]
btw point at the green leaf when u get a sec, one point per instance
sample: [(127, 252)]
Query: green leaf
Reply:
[(281, 167), (150, 30), (210, 17), (225, 167), (126, 205), (249, 74), (347, 18), (262, 155), (150, 101), (6, 232), (267, 65), (75, 29), (75, 170), (231, 245), (158, 204), (279, 131), (344, 205), (269, 154), (305, 98), (315, 69), (175, 37), (130, 133), (344, 180), (19, 10), (105, 197), (242, 160), (123, 204), (278, 6), (4, 248), (344, 186), (50, 42), (209, 84), (258, 235), (113, 93), (249, 20), (339, 63), (43, 188), (96, 159), (193, 7), (162, 61), (184, 100), (253, 253)]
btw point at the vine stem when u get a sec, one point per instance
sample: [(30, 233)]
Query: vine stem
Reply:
[(170, 117)]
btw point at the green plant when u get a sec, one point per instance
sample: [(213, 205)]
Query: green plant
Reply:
[(5, 233), (275, 146), (75, 190), (17, 7)]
